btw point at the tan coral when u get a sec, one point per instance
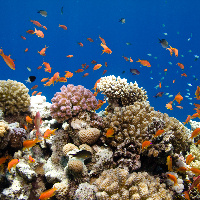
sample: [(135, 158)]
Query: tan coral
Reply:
[(62, 189), (89, 136), (14, 97), (86, 147), (75, 166), (3, 128), (69, 147)]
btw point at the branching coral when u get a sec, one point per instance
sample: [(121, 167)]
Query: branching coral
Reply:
[(70, 101), (14, 97)]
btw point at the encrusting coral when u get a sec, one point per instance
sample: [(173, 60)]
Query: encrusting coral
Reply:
[(14, 97), (70, 101)]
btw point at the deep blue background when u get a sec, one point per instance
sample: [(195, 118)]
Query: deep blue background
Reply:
[(146, 21)]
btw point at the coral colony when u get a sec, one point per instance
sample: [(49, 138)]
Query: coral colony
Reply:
[(127, 151)]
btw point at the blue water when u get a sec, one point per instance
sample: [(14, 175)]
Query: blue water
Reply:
[(146, 21)]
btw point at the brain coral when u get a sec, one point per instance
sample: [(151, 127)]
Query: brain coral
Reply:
[(119, 92), (14, 97), (119, 184), (70, 101)]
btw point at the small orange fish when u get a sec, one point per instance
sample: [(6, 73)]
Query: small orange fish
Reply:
[(195, 171), (12, 164), (36, 23), (106, 49), (44, 27), (86, 74), (158, 133), (23, 125), (48, 83), (174, 80), (69, 56), (198, 142), (195, 133), (97, 66), (144, 62), (34, 87), (95, 85), (189, 159), (39, 93), (39, 33), (68, 74), (173, 50), (80, 44), (90, 39), (23, 37), (94, 62), (184, 74), (180, 107), (165, 70), (102, 40), (30, 159), (106, 64), (34, 93), (39, 67), (197, 93), (47, 67), (126, 58), (195, 115), (104, 72), (169, 163), (146, 144), (79, 70), (172, 178), (63, 27), (160, 85), (62, 79), (8, 60), (178, 98), (182, 169), (27, 144), (130, 59), (44, 79), (187, 120), (30, 31), (186, 195), (3, 159), (48, 133), (86, 67), (42, 52), (83, 65), (26, 50), (29, 120), (47, 194), (110, 132), (169, 106), (180, 65)]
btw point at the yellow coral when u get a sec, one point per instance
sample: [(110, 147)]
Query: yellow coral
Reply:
[(3, 128)]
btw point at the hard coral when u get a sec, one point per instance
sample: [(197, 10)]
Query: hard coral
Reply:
[(119, 92), (70, 101), (3, 128), (14, 97)]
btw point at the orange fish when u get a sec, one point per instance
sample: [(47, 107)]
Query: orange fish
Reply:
[(42, 52), (195, 133), (106, 64), (80, 44), (30, 31), (44, 27), (86, 67), (39, 93), (126, 58), (69, 56), (100, 103), (195, 171), (23, 125), (146, 144), (197, 105), (47, 194), (29, 120), (90, 39), (110, 132), (170, 50), (3, 159), (36, 23), (62, 79), (30, 159), (48, 83), (195, 115), (39, 33), (169, 163), (83, 65), (189, 159), (102, 40), (172, 178), (165, 70), (182, 169), (169, 106), (97, 66), (34, 93), (12, 164), (186, 195), (144, 62), (27, 144), (44, 79), (180, 107), (95, 85), (47, 67), (26, 50), (8, 60), (94, 62), (55, 77), (158, 133), (23, 37), (79, 70), (187, 120), (174, 81), (68, 74), (39, 67), (178, 98), (106, 49), (198, 142), (184, 74), (173, 50), (48, 133), (86, 74), (197, 93), (63, 27), (34, 87), (180, 65), (160, 85), (104, 72)]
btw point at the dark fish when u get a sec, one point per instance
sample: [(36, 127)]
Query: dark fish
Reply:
[(123, 72), (195, 59), (122, 20), (43, 13), (30, 79), (134, 71), (164, 43), (159, 94), (61, 10), (83, 154)]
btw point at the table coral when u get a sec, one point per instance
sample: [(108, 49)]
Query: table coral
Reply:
[(14, 97), (70, 101)]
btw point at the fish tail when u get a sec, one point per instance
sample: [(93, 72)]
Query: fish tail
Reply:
[(138, 60)]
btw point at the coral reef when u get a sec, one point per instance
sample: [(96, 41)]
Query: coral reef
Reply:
[(70, 101), (14, 97)]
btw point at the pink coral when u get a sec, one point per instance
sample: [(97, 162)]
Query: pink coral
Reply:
[(70, 101)]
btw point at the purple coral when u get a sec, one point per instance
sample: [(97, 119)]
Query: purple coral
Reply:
[(70, 101)]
